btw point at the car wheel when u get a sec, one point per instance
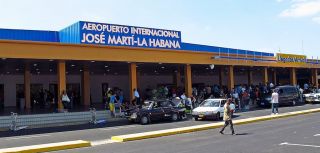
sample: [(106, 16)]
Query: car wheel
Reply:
[(218, 116), (174, 117), (144, 120)]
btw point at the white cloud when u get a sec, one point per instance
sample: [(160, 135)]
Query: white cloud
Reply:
[(302, 8), (316, 19)]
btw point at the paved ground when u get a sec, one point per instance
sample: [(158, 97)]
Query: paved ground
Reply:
[(288, 135), (23, 138)]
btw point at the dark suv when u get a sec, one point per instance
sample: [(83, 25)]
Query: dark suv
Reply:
[(288, 95)]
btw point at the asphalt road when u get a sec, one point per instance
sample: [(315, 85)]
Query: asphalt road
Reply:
[(102, 132), (300, 134)]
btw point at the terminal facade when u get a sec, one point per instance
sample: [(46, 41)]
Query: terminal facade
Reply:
[(87, 58)]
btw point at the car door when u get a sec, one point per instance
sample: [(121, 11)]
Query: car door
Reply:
[(167, 109), (156, 113)]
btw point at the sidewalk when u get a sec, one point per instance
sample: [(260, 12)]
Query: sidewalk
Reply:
[(101, 132)]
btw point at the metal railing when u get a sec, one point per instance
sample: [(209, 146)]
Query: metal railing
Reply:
[(17, 122)]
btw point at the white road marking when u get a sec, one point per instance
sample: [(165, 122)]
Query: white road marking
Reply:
[(302, 145), (317, 135), (118, 127), (101, 142), (27, 137)]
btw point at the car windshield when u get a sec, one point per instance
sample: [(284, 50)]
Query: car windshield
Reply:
[(147, 105), (210, 103)]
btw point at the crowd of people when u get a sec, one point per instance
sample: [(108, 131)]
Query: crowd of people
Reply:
[(244, 96)]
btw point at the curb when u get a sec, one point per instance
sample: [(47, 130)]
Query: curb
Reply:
[(160, 133), (48, 147)]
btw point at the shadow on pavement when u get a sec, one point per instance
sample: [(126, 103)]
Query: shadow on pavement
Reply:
[(61, 128)]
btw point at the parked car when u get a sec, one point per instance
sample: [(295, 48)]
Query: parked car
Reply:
[(288, 95), (312, 97), (209, 109), (155, 111)]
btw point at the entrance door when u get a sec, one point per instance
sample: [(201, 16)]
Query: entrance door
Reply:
[(1, 96), (104, 90), (53, 90), (73, 91), (20, 101), (37, 96)]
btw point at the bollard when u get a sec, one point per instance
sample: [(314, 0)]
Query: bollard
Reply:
[(13, 126), (93, 116)]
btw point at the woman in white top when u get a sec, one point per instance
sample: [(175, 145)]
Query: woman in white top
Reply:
[(65, 100)]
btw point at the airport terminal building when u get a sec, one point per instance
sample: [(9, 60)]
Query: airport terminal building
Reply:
[(86, 58)]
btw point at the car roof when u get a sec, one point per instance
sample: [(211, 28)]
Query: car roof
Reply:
[(216, 99)]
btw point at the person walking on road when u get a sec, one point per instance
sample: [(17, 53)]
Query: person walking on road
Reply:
[(275, 102), (227, 117)]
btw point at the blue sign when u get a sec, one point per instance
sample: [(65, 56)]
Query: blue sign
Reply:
[(121, 35)]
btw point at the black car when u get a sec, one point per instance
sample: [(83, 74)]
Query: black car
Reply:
[(155, 111), (288, 95)]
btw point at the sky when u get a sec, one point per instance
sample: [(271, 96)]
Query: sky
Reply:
[(285, 26)]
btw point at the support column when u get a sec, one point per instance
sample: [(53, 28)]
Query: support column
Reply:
[(274, 76), (177, 78), (293, 76), (27, 83), (187, 80), (220, 77), (61, 82), (314, 77), (265, 75), (86, 85), (230, 77), (249, 77), (132, 79)]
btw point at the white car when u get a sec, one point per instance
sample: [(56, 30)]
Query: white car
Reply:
[(312, 97), (209, 109)]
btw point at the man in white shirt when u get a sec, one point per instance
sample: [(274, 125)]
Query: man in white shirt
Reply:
[(275, 101)]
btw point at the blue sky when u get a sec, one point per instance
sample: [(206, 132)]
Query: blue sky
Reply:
[(293, 26)]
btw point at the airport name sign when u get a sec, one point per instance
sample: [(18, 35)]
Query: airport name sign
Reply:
[(122, 35), (291, 58)]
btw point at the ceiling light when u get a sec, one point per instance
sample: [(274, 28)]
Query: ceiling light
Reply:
[(17, 69), (8, 72), (160, 63), (106, 66), (35, 64), (50, 60), (81, 70), (93, 61), (3, 58), (50, 70), (73, 65), (162, 67)]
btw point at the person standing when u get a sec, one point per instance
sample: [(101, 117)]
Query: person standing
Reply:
[(112, 101), (227, 117), (65, 100), (137, 97), (275, 101)]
